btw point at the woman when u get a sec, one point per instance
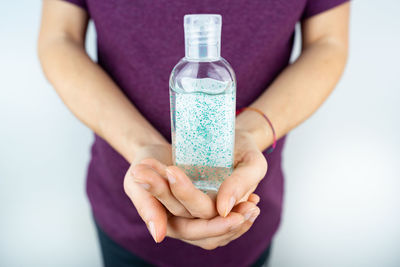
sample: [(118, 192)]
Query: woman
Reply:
[(124, 99)]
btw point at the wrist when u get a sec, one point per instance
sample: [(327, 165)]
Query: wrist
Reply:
[(149, 141), (254, 126), (159, 152)]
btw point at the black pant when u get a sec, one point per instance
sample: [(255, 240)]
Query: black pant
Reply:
[(116, 256)]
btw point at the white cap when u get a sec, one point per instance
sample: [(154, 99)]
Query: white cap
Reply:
[(202, 36)]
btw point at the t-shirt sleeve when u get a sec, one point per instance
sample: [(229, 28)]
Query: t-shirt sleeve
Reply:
[(80, 3), (314, 7)]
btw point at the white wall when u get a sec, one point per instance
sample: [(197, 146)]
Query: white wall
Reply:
[(342, 166)]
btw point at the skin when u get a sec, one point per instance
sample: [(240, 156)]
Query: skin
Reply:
[(163, 195)]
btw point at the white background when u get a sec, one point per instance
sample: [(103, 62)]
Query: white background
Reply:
[(342, 202)]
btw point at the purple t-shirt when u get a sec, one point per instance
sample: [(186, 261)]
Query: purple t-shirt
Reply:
[(139, 42)]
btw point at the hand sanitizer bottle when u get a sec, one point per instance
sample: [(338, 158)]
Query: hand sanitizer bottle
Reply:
[(203, 100)]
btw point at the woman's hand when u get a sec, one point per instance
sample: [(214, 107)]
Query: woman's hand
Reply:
[(250, 168), (167, 201), (216, 232), (169, 185)]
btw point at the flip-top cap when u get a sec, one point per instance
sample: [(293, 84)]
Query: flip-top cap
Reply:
[(202, 36)]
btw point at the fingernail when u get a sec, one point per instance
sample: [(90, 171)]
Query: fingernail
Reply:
[(232, 202), (254, 217), (170, 177), (250, 213), (152, 230)]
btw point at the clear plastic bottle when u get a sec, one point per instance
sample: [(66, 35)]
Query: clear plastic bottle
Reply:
[(203, 101)]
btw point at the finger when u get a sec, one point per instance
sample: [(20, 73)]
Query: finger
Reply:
[(250, 212), (195, 229), (247, 209), (151, 181), (250, 216), (242, 182), (149, 208), (254, 198), (199, 204), (156, 165)]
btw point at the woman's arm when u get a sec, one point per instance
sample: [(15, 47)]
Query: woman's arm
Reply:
[(303, 86), (295, 94), (84, 87)]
